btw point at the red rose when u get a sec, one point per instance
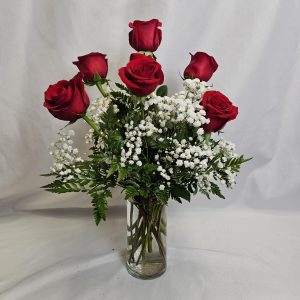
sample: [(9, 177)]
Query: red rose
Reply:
[(218, 109), (67, 100), (202, 66), (145, 35), (92, 64), (142, 74)]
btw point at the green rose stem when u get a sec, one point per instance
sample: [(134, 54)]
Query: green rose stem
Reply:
[(92, 124), (207, 136), (100, 88), (148, 53), (148, 223)]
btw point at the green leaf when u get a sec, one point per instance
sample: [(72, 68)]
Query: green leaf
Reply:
[(193, 187), (113, 168), (118, 95), (216, 190), (122, 87), (99, 157), (162, 91), (99, 201), (213, 162), (180, 191), (122, 174), (114, 141), (235, 163), (60, 187), (48, 174), (246, 159), (150, 168), (109, 119), (177, 199), (131, 192), (207, 136), (205, 193), (162, 196)]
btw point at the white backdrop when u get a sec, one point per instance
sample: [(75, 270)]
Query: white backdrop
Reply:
[(244, 247)]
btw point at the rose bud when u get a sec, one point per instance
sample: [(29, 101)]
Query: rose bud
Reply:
[(142, 74), (218, 109), (67, 100), (92, 66), (145, 35), (202, 66)]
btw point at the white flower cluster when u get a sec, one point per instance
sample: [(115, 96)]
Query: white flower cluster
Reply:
[(178, 108), (133, 143), (184, 155), (228, 150), (191, 156), (195, 159), (195, 88), (95, 111), (65, 156)]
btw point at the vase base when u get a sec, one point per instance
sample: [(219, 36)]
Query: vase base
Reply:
[(146, 271)]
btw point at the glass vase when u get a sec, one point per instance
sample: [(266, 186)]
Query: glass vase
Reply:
[(146, 238)]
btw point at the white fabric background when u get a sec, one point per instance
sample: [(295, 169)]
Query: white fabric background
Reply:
[(244, 247)]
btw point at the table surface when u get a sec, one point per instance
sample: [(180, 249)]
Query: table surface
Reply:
[(51, 249)]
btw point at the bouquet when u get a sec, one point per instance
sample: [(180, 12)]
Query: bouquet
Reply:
[(155, 146)]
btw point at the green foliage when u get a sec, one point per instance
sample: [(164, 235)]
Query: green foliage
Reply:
[(122, 100), (113, 169), (109, 118), (97, 78), (154, 143), (122, 173), (183, 130), (122, 87), (216, 190), (114, 141), (162, 196), (135, 188), (60, 187), (99, 201), (162, 91), (149, 168), (205, 193), (179, 191), (214, 161), (207, 136), (48, 174), (193, 186), (98, 156), (131, 192), (235, 163), (118, 95)]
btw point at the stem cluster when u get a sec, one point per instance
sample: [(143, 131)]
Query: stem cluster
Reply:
[(145, 229)]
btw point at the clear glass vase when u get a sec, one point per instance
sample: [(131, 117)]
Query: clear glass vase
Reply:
[(146, 238)]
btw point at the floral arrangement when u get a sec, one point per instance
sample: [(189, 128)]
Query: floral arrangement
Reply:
[(153, 145)]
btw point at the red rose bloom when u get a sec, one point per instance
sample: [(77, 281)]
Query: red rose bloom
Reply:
[(67, 100), (91, 64), (202, 66), (145, 35), (142, 74), (218, 109)]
